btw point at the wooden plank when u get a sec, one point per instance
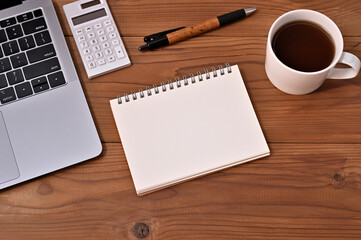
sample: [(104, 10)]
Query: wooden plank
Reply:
[(318, 117), (300, 191), (143, 17)]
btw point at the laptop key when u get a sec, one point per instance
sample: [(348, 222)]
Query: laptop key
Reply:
[(19, 60), (26, 43), (5, 65), (38, 13), (3, 37), (41, 88), (40, 84), (25, 17), (41, 53), (7, 22), (41, 68), (39, 81), (3, 82), (14, 32), (7, 95), (56, 79), (11, 48), (15, 77), (23, 90), (1, 53), (42, 38), (35, 25)]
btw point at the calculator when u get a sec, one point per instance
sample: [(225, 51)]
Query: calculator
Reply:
[(97, 37)]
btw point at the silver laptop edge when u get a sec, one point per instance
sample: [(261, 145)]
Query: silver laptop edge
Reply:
[(49, 131)]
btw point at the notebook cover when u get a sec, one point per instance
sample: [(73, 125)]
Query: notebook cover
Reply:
[(188, 131)]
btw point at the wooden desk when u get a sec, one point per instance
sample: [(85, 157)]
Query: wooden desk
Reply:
[(309, 188)]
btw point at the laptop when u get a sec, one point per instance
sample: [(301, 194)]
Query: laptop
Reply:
[(45, 122)]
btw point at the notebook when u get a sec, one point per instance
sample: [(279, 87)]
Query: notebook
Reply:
[(187, 128)]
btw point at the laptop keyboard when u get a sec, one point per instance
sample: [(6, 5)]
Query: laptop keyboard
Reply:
[(28, 62)]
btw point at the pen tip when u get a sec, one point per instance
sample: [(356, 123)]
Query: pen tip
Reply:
[(143, 47), (249, 10)]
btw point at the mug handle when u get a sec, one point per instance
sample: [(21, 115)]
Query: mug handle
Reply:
[(346, 73)]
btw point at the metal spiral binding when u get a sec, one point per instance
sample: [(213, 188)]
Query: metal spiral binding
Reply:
[(193, 80), (155, 87), (184, 78), (164, 88), (207, 74), (170, 84), (134, 95), (149, 92), (141, 93), (177, 83)]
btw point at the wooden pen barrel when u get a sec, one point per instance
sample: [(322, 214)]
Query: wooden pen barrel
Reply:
[(192, 31)]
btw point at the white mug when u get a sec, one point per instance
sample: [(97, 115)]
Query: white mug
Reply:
[(296, 82)]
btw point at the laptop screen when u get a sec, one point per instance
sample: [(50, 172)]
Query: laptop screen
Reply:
[(9, 3)]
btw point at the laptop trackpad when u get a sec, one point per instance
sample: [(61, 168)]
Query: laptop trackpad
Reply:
[(8, 167)]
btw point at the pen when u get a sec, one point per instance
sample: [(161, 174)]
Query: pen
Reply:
[(188, 32), (157, 35)]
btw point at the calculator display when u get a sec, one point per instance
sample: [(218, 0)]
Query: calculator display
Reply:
[(89, 16), (90, 4)]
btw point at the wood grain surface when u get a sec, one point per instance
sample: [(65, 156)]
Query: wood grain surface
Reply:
[(309, 188)]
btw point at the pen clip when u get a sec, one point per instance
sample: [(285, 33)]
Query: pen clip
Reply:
[(157, 35)]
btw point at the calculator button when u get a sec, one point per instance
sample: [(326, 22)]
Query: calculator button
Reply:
[(107, 22), (93, 41), (111, 59), (119, 52), (106, 45), (83, 44), (110, 29), (100, 32), (113, 35), (115, 42), (96, 48), (89, 58), (103, 38), (86, 51), (98, 54), (88, 29), (101, 62), (98, 25), (108, 51), (91, 35), (92, 65), (79, 31), (81, 38)]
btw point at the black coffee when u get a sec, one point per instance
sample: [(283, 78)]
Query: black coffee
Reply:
[(303, 46)]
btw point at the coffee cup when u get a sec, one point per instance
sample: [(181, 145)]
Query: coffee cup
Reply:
[(298, 82)]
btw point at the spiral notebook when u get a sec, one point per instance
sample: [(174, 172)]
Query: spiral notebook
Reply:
[(187, 128)]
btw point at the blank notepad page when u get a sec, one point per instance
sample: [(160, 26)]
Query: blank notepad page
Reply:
[(188, 131)]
